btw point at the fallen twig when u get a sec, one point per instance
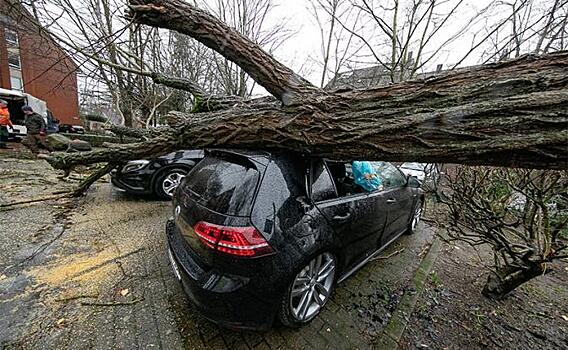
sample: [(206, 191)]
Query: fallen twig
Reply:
[(74, 297), (78, 191), (112, 303), (34, 200), (430, 221), (389, 256), (425, 250)]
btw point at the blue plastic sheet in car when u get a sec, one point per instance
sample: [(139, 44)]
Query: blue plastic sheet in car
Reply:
[(365, 175)]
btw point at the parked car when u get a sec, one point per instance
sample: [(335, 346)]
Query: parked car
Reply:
[(257, 236), (71, 129), (427, 173), (159, 176)]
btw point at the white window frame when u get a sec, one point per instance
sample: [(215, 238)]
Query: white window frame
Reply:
[(21, 88), (12, 43), (10, 64)]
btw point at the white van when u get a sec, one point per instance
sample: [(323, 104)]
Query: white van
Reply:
[(16, 99)]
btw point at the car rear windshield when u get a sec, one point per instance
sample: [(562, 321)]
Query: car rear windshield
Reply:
[(224, 184)]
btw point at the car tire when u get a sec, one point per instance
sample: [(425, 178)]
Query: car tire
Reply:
[(415, 218), (309, 291), (167, 181)]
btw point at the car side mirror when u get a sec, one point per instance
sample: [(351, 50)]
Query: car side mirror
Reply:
[(305, 203), (412, 181)]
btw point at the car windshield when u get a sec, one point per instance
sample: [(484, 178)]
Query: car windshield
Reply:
[(413, 166), (225, 185)]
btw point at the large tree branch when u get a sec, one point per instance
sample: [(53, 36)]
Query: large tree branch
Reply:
[(508, 114), (180, 16), (118, 153), (511, 114)]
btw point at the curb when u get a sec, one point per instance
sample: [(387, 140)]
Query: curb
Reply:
[(393, 331)]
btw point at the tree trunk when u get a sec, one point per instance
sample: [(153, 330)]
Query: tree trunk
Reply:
[(506, 279), (511, 114)]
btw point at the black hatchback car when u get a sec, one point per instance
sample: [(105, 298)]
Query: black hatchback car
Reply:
[(258, 236), (158, 176)]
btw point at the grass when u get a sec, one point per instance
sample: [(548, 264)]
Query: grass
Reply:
[(435, 279)]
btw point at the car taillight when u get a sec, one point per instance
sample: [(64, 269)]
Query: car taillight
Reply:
[(240, 241)]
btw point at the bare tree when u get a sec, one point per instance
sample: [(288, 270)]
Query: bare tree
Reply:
[(249, 18), (521, 214), (338, 46), (402, 37), (535, 26), (126, 57)]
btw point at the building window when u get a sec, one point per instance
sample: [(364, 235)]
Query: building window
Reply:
[(16, 83), (14, 60), (11, 38)]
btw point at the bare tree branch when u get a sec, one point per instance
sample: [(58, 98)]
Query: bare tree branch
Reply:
[(276, 78)]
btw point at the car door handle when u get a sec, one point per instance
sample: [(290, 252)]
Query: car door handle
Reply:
[(342, 218), (391, 200)]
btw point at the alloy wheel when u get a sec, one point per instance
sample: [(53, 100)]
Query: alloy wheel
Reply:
[(171, 181), (416, 217), (312, 286)]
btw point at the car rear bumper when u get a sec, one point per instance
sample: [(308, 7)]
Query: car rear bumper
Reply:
[(227, 300)]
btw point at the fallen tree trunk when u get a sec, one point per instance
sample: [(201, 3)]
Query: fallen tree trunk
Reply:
[(511, 114)]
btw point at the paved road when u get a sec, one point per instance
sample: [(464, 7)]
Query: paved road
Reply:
[(93, 273)]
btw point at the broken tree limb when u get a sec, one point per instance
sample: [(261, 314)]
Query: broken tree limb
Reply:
[(84, 186), (276, 78), (119, 153), (512, 114), (77, 192)]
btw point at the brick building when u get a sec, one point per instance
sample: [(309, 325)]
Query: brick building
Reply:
[(32, 62)]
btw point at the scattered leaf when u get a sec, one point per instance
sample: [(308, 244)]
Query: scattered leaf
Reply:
[(124, 292), (62, 322)]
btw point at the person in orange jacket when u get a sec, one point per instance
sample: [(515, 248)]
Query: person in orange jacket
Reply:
[(5, 122)]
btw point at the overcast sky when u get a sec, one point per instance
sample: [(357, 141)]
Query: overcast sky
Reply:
[(296, 51), (302, 52)]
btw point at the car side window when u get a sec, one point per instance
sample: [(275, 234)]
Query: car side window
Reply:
[(342, 175), (391, 177), (322, 186)]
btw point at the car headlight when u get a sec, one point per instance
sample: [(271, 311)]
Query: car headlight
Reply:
[(135, 165)]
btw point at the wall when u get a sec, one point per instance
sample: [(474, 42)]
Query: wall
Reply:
[(4, 71), (48, 73)]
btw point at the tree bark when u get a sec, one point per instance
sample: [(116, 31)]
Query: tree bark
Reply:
[(117, 154), (506, 279), (511, 114)]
